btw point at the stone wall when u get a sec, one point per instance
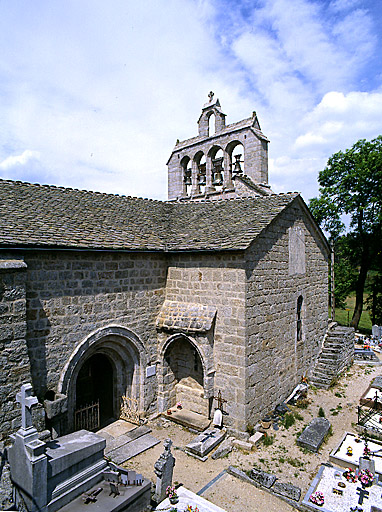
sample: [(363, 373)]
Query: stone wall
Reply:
[(14, 361), (216, 280), (69, 296), (277, 277)]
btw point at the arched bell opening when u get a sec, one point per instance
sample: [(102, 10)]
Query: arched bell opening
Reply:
[(201, 169), (216, 157), (211, 124), (187, 175), (235, 152), (184, 376)]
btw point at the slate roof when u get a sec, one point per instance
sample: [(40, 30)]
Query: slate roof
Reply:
[(48, 216)]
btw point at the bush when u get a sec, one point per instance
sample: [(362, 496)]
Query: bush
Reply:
[(321, 413), (268, 440), (288, 420)]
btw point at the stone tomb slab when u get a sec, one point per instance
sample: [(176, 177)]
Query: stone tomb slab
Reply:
[(340, 457), (328, 479), (187, 419), (133, 498), (263, 478), (206, 441), (186, 498), (377, 382), (133, 448), (113, 444), (314, 434)]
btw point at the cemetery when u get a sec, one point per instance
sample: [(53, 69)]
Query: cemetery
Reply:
[(134, 466)]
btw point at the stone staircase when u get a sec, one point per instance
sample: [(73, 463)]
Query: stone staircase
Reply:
[(337, 353)]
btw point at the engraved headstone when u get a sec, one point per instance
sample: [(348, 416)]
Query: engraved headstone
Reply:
[(287, 490), (314, 434), (262, 478), (163, 469)]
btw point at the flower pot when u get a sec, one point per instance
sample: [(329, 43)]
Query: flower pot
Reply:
[(173, 499)]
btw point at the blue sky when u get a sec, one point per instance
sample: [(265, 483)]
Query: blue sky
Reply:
[(94, 94)]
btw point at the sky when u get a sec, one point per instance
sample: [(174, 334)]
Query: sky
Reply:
[(95, 93)]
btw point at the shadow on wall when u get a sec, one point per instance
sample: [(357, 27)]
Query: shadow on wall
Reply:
[(38, 329)]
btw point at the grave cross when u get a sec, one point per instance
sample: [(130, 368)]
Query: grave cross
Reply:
[(208, 435), (26, 400), (220, 400), (363, 494)]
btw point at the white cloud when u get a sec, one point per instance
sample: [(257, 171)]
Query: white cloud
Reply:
[(103, 102), (17, 160), (340, 119)]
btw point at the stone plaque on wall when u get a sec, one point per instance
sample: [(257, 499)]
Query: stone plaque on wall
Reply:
[(296, 250)]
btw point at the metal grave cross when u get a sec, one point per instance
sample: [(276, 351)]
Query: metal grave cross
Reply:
[(220, 401), (26, 400), (363, 494)]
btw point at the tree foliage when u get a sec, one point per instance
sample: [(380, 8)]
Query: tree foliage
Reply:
[(351, 188)]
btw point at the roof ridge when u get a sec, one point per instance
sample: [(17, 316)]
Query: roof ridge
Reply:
[(95, 192)]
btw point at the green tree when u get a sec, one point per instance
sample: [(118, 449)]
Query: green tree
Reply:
[(351, 187)]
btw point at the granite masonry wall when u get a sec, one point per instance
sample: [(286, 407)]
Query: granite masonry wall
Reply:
[(278, 274), (219, 281), (72, 299), (14, 360)]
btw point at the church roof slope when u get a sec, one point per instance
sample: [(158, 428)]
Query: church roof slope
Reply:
[(48, 216), (42, 215)]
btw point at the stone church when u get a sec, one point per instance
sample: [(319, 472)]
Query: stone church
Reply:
[(108, 300)]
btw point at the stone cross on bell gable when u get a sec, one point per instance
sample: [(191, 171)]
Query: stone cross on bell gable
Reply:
[(26, 400), (210, 96)]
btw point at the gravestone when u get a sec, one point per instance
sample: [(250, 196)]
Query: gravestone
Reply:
[(377, 382), (163, 469), (205, 442), (287, 490), (365, 463), (314, 434), (218, 418), (263, 478)]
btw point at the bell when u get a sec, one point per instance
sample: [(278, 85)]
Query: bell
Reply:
[(218, 179), (187, 177), (237, 169), (201, 179)]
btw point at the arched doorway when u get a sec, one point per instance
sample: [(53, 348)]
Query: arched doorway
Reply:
[(105, 366), (94, 385), (184, 376)]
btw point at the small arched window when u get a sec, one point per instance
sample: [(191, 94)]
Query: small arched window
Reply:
[(299, 320)]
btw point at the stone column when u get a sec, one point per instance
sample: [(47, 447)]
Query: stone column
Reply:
[(209, 187), (227, 170), (194, 178)]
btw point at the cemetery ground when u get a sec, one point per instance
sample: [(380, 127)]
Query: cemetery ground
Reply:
[(279, 454)]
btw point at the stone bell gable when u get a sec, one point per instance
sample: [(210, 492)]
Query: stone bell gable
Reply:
[(222, 161)]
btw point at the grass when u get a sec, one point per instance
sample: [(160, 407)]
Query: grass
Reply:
[(343, 317)]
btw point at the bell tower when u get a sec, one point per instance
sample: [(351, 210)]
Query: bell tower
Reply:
[(223, 161)]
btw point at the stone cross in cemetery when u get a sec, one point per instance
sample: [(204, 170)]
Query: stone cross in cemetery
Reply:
[(26, 400), (163, 468)]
